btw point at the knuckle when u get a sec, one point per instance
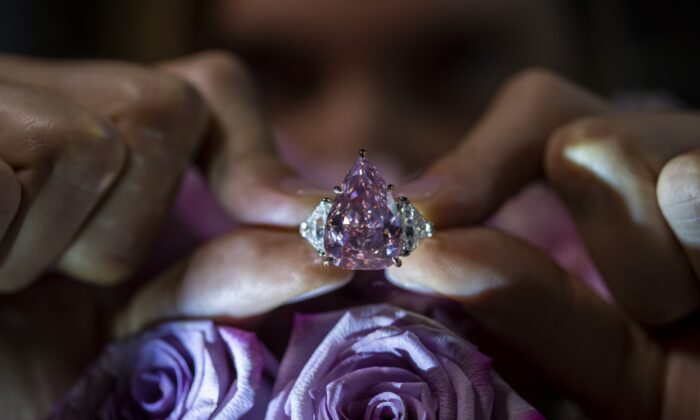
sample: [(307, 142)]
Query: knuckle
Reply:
[(211, 71), (161, 97), (164, 103), (578, 145), (217, 66), (546, 96), (534, 83), (45, 130)]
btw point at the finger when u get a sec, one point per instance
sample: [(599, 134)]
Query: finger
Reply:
[(65, 159), (503, 152), (579, 342), (238, 276), (678, 190), (10, 197), (243, 167), (162, 120), (605, 169), (681, 383), (162, 125)]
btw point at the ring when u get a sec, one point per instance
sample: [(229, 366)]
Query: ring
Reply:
[(364, 228)]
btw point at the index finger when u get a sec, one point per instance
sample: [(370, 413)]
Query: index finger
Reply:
[(503, 152), (247, 175)]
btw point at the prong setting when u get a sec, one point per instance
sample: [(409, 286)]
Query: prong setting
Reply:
[(404, 227)]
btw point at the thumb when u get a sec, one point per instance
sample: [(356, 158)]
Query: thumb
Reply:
[(678, 192), (241, 275)]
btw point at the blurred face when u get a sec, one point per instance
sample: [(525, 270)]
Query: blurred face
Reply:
[(402, 79)]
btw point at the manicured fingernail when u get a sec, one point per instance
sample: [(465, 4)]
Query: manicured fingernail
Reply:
[(326, 288), (296, 186), (410, 286), (422, 188)]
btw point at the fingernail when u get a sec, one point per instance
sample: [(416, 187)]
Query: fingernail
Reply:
[(296, 186), (422, 188), (410, 286), (326, 288)]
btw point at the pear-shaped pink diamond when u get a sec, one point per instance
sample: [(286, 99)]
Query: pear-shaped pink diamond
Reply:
[(363, 229)]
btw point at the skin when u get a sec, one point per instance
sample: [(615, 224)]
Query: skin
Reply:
[(631, 181), (339, 77)]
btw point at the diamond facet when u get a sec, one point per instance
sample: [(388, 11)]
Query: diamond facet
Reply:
[(312, 229), (415, 227), (363, 229)]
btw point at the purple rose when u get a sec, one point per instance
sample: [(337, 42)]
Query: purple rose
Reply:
[(179, 370), (380, 362)]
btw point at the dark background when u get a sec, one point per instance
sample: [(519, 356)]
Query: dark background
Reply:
[(632, 45)]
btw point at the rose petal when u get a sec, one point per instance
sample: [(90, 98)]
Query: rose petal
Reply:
[(379, 360), (184, 370)]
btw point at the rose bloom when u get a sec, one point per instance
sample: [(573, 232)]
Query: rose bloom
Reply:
[(179, 370), (380, 362)]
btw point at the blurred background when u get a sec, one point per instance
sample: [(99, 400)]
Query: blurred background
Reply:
[(350, 80), (625, 44)]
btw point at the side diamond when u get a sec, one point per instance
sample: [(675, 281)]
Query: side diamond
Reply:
[(313, 228), (415, 227)]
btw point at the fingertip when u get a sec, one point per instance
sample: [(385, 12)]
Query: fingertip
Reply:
[(422, 188), (261, 190), (678, 194), (678, 186), (335, 283), (268, 204), (447, 264), (394, 275), (450, 195), (154, 302)]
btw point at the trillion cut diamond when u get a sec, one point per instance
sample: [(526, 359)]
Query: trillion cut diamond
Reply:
[(415, 227), (313, 228), (363, 230)]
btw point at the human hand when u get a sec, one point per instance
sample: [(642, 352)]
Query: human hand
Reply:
[(240, 277), (93, 151), (631, 182)]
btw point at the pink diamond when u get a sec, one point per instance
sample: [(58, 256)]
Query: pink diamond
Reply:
[(363, 230)]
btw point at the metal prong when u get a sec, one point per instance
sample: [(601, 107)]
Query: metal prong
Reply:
[(429, 229), (328, 261), (322, 253), (397, 261), (402, 198), (326, 200), (363, 153), (405, 253), (337, 189), (390, 187)]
